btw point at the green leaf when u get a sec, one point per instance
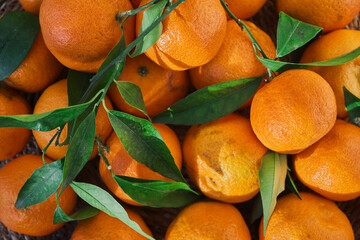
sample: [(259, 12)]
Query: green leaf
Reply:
[(352, 104), (79, 150), (145, 144), (87, 212), (18, 33), (293, 34), (157, 193), (272, 175), (112, 74), (210, 103), (44, 121), (132, 95), (103, 201), (278, 66), (41, 185), (77, 83), (291, 185), (149, 17)]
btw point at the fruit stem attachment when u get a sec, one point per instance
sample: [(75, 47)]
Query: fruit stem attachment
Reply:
[(243, 26), (130, 13), (101, 148)]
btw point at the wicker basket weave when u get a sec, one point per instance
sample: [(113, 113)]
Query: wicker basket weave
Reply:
[(159, 219)]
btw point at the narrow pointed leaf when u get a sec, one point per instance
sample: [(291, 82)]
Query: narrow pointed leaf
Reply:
[(79, 150), (157, 193), (44, 121), (87, 212), (18, 33), (291, 185), (293, 34), (352, 104), (77, 83), (149, 17), (278, 66), (132, 95), (112, 74), (145, 144), (103, 201), (210, 103), (41, 185), (272, 175)]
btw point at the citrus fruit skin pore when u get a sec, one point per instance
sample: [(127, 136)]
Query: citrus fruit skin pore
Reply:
[(12, 139), (103, 226), (313, 217), (38, 70), (83, 40), (160, 88), (332, 45), (55, 97), (293, 111), (36, 220), (245, 9), (223, 157), (331, 167), (327, 14), (123, 164), (192, 35), (208, 220)]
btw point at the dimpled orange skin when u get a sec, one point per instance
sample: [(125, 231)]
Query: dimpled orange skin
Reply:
[(331, 167), (223, 158), (245, 9), (123, 164), (236, 57), (208, 220), (55, 97), (313, 217), (192, 35), (32, 6), (103, 226), (83, 40), (293, 111), (330, 46), (37, 71), (160, 88), (328, 14), (12, 140), (35, 220)]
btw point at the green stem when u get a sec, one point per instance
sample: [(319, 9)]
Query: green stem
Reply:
[(123, 55), (243, 26), (101, 149), (133, 12)]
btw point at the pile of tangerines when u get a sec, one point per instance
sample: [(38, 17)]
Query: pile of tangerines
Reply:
[(298, 112)]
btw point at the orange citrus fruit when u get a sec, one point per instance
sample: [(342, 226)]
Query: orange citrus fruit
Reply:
[(12, 140), (37, 71), (135, 3), (32, 6), (123, 164), (245, 9), (328, 14), (223, 158), (293, 111), (331, 166), (208, 220), (160, 88), (36, 220), (80, 33), (313, 217), (103, 226), (55, 97), (236, 57), (330, 46), (192, 34)]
